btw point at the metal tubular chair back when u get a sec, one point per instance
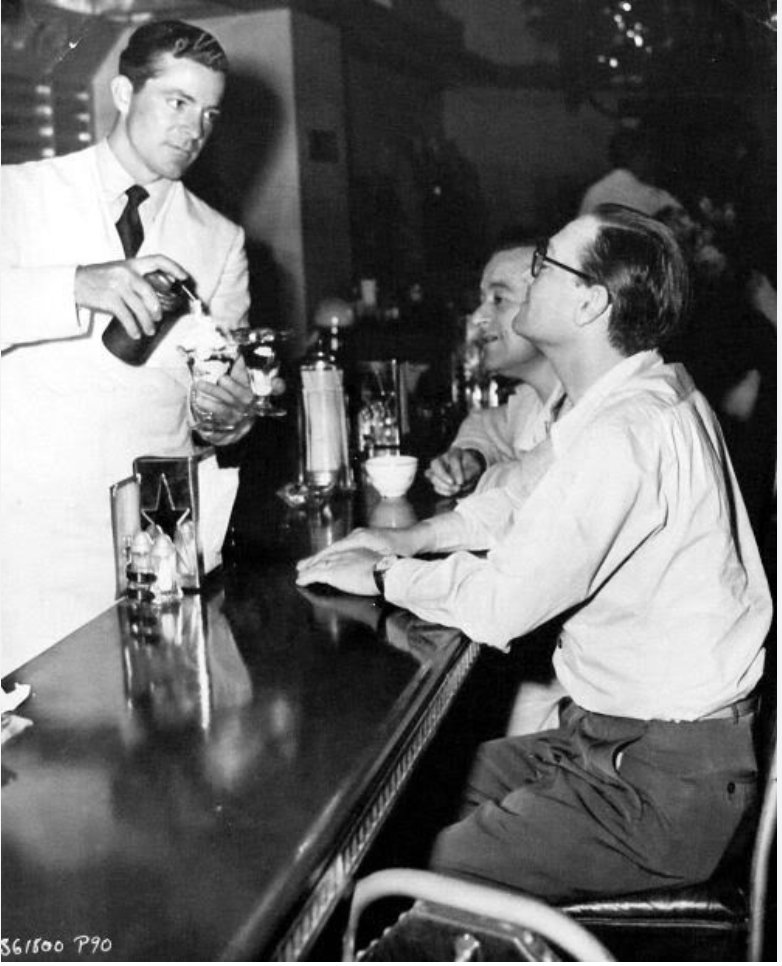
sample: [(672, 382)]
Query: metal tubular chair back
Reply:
[(483, 904), (761, 860)]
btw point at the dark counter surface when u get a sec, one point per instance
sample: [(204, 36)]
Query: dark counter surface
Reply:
[(190, 777)]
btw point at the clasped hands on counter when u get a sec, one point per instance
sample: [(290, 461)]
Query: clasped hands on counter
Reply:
[(120, 288)]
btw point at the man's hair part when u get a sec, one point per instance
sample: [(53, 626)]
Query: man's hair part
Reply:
[(640, 263), (140, 60)]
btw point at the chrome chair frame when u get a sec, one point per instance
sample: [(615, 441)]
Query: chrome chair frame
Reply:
[(496, 904)]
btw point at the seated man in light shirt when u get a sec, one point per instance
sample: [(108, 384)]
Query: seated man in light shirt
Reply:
[(639, 537), (489, 441)]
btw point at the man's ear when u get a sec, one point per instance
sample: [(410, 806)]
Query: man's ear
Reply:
[(121, 93), (594, 304)]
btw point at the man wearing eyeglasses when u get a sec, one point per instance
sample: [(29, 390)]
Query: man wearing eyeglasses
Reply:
[(638, 536)]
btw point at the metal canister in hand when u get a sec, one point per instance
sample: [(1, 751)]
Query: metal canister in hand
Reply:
[(174, 298)]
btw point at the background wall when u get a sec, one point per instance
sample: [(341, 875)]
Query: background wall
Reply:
[(389, 115), (711, 100), (533, 155)]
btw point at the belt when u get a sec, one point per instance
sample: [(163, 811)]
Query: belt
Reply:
[(736, 710)]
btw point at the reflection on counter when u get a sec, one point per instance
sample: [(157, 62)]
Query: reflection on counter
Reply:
[(180, 662), (328, 523), (393, 626), (391, 513)]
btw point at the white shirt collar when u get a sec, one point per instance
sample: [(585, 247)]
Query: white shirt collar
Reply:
[(554, 406), (115, 181), (570, 423)]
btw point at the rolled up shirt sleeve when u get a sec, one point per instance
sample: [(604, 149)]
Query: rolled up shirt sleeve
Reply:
[(594, 508)]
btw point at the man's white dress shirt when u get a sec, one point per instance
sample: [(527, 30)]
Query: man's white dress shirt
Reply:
[(630, 524)]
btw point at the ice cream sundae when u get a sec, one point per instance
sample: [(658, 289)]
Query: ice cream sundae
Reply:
[(210, 353), (209, 350), (259, 351)]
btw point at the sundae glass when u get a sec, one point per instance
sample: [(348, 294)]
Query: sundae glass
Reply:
[(210, 354), (259, 351)]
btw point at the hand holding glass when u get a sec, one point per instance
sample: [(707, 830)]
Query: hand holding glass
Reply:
[(208, 368)]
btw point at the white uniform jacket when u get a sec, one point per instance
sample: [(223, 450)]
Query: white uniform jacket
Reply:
[(73, 417)]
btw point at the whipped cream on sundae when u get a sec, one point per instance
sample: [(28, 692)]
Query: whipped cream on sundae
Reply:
[(210, 351)]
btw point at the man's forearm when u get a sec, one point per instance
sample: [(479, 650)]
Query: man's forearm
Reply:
[(439, 534)]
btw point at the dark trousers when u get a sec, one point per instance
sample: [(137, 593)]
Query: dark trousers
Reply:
[(603, 805)]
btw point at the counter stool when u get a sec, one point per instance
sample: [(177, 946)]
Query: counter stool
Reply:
[(723, 919), (454, 920)]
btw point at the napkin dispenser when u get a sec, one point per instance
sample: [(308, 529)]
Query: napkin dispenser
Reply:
[(189, 497)]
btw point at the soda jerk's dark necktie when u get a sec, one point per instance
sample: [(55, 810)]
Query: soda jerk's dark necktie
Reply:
[(129, 227)]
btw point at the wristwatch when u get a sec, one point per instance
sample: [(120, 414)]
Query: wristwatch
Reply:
[(479, 458), (379, 571)]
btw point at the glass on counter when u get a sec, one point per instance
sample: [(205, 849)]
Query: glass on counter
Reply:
[(259, 349), (378, 423)]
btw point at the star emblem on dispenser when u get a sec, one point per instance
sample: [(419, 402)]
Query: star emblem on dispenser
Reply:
[(165, 513)]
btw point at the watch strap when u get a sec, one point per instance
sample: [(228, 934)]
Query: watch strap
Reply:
[(478, 457), (379, 572)]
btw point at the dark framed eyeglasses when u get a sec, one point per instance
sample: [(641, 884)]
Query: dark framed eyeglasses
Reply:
[(539, 257)]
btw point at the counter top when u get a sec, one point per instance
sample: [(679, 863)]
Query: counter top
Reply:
[(199, 782)]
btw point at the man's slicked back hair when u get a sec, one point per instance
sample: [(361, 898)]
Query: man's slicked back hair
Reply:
[(639, 261), (141, 58)]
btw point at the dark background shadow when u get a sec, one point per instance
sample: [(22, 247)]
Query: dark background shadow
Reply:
[(234, 160)]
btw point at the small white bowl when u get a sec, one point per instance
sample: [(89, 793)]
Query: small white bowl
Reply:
[(391, 475)]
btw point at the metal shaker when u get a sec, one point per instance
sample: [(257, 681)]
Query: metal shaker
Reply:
[(174, 297)]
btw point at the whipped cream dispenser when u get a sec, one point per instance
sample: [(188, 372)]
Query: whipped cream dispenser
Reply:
[(175, 298)]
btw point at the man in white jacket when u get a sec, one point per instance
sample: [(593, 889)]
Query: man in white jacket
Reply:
[(631, 526), (73, 416)]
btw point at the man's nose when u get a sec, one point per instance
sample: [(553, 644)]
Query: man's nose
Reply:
[(196, 125), (480, 316)]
